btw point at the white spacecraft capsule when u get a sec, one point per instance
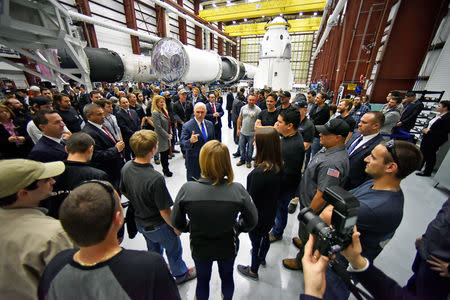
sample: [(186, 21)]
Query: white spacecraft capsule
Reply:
[(274, 68)]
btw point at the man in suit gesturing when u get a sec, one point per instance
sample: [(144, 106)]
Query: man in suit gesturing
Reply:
[(360, 145), (107, 150), (196, 132)]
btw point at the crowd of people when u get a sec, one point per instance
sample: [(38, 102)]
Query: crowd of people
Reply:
[(69, 157)]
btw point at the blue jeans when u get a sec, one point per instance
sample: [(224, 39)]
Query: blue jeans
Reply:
[(315, 146), (260, 247), (203, 268), (282, 211), (246, 147), (163, 237)]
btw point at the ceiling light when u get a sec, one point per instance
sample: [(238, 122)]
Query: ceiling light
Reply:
[(300, 13), (214, 5), (263, 16), (234, 22), (281, 14), (245, 20), (228, 1), (315, 13)]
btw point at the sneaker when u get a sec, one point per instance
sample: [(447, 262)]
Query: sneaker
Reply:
[(245, 271), (240, 163), (249, 165), (190, 274), (298, 243), (292, 264), (237, 154), (273, 238), (157, 161), (292, 208)]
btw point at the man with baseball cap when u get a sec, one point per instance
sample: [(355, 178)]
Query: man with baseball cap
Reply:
[(329, 167), (285, 101), (28, 238)]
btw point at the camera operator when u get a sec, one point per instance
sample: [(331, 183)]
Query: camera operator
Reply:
[(381, 198), (430, 267)]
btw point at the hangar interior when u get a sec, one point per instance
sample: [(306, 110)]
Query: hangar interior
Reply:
[(369, 47)]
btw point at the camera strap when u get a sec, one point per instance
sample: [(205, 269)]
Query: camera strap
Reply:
[(342, 273)]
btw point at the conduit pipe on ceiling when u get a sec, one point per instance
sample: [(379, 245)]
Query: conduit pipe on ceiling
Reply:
[(190, 19), (142, 36), (324, 15), (332, 21)]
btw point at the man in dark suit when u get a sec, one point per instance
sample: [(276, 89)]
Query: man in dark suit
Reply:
[(50, 146), (107, 154), (361, 145), (129, 123), (411, 109), (182, 111), (214, 113), (196, 132), (230, 98), (434, 136)]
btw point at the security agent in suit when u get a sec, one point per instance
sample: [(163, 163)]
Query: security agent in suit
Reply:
[(182, 111), (214, 113), (411, 109), (361, 145), (129, 123), (193, 137), (229, 105), (434, 136), (107, 154), (50, 146)]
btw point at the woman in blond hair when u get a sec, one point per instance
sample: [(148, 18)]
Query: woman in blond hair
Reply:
[(161, 121), (212, 205)]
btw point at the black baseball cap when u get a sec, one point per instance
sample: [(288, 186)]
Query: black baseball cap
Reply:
[(334, 126), (286, 94), (300, 104)]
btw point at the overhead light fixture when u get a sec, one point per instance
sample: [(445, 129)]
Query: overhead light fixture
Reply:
[(245, 20), (315, 13), (214, 5), (263, 16), (234, 22), (300, 13), (228, 1), (281, 14)]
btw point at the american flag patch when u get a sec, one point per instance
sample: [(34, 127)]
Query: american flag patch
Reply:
[(333, 172)]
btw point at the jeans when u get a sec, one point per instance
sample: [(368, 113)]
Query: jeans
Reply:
[(282, 211), (203, 268), (165, 160), (163, 237), (260, 247), (246, 147), (315, 146)]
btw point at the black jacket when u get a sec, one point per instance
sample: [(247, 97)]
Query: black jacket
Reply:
[(128, 125), (180, 114), (319, 116), (212, 211), (409, 115)]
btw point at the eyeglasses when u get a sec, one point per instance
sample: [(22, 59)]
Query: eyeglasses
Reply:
[(390, 146)]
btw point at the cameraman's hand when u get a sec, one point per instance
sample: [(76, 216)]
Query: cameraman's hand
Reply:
[(314, 267), (353, 252)]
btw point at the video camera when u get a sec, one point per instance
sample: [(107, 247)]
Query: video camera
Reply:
[(331, 240)]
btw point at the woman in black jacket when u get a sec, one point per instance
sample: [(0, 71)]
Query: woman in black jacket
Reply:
[(212, 204), (14, 140), (263, 184)]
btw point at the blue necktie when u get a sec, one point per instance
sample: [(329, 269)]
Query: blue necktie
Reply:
[(354, 144), (205, 136)]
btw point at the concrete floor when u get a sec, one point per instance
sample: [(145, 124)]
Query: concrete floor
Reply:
[(422, 202)]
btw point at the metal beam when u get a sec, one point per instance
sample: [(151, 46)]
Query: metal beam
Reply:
[(258, 9), (298, 25), (198, 29), (182, 26), (90, 35), (161, 25), (219, 40), (130, 17)]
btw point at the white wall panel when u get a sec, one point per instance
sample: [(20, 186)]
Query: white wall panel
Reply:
[(108, 13), (67, 2), (109, 4), (439, 80), (189, 5), (113, 40)]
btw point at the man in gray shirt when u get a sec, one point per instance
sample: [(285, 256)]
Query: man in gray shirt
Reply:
[(329, 167), (246, 130)]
